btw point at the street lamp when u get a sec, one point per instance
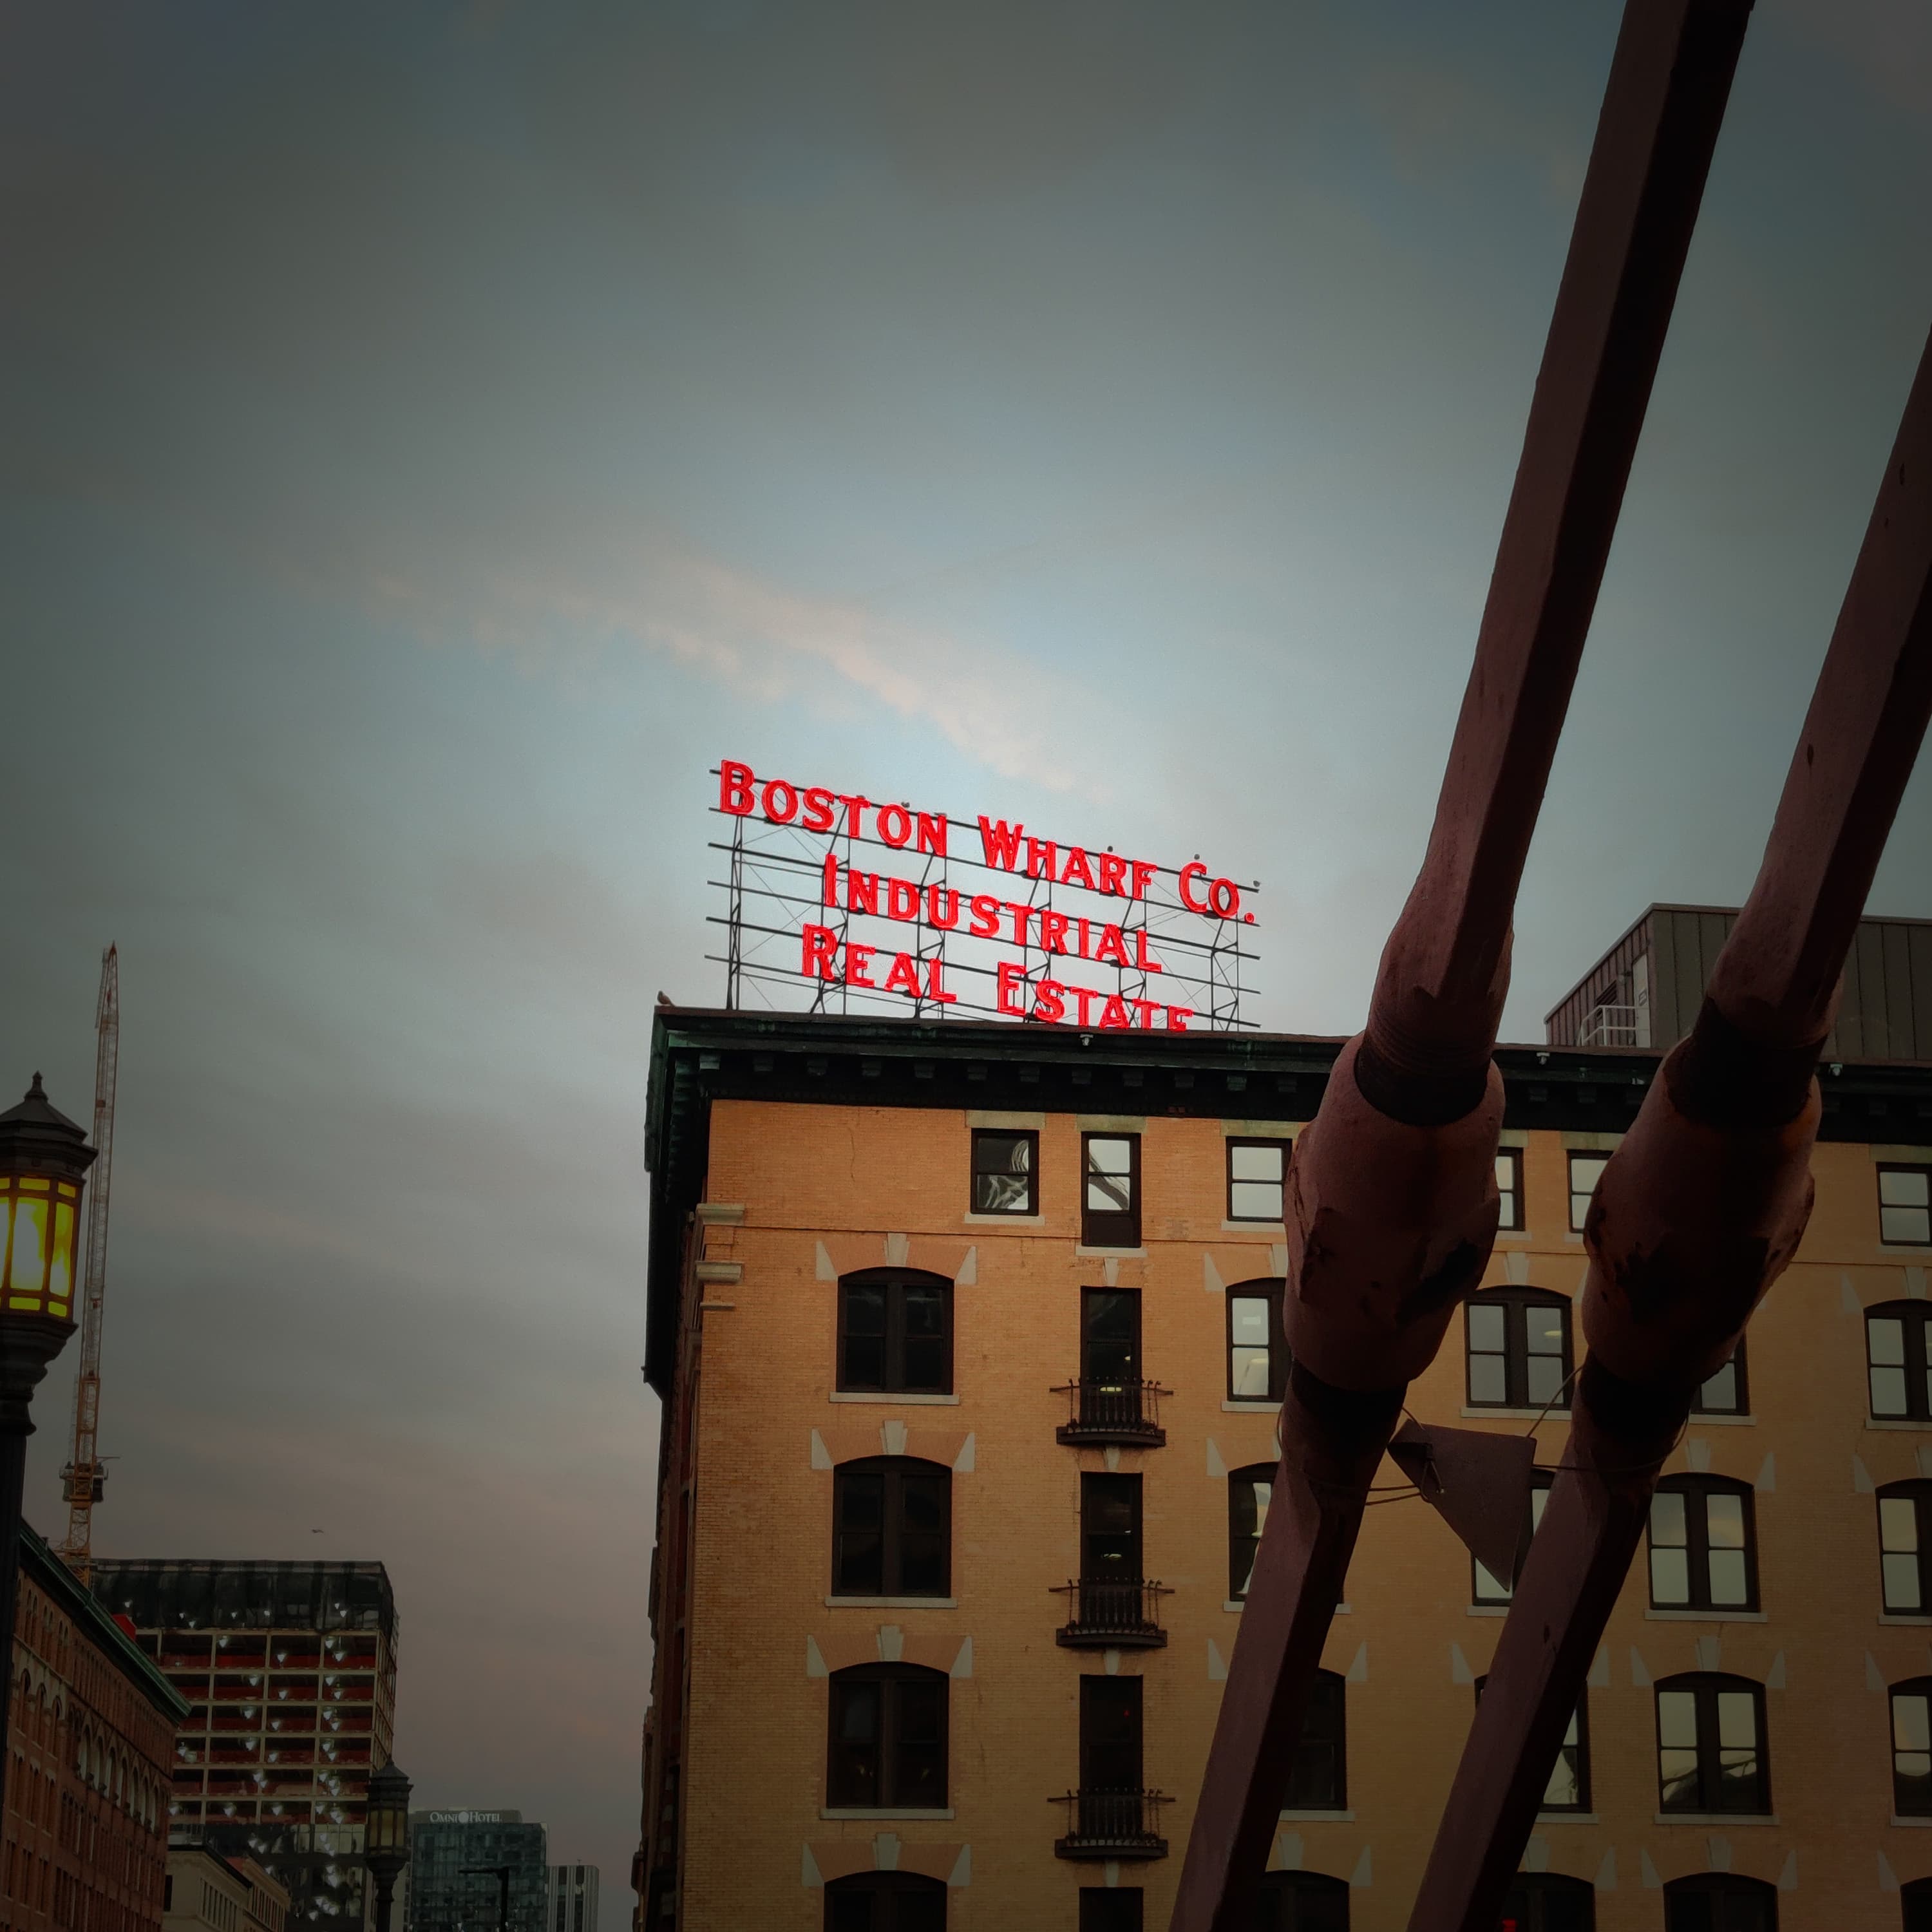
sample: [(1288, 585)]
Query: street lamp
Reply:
[(385, 1835), (43, 1159)]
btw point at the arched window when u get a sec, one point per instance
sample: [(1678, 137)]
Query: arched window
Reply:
[(892, 1521), (1547, 1902), (1318, 1777), (1898, 1364), (1703, 1552), (1915, 1901), (877, 1901), (1249, 1490), (1904, 1544), (887, 1746), (1711, 1752), (1911, 1748), (1258, 1355), (1302, 1901), (1720, 1902), (896, 1333), (1519, 1342), (1569, 1787)]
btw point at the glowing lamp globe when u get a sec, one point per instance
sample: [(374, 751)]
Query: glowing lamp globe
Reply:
[(385, 1836), (43, 1159)]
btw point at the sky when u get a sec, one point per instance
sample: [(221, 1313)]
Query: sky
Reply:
[(431, 437)]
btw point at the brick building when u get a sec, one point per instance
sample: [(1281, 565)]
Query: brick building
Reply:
[(290, 1670), (969, 1346), (207, 1892), (91, 1744)]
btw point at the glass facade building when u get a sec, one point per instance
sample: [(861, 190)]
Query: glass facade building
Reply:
[(459, 1863)]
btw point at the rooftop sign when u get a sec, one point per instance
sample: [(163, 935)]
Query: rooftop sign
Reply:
[(836, 902)]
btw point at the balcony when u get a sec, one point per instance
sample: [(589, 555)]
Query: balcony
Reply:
[(1111, 1825), (1112, 1614), (1101, 1413)]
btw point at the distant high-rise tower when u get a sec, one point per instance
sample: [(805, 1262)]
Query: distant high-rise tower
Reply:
[(290, 1669), (572, 1906), (477, 1871)]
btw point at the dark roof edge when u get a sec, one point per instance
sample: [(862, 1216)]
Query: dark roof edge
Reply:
[(60, 1582)]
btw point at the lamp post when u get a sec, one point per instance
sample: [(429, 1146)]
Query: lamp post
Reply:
[(385, 1836), (43, 1160)]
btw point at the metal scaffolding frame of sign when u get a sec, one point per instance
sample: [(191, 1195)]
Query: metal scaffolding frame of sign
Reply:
[(774, 883)]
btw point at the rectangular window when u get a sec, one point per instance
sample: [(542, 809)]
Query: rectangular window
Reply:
[(888, 1744), (1005, 1171), (1117, 1909), (1728, 1392), (1110, 1733), (1249, 1491), (1488, 1589), (1710, 1745), (1586, 1170), (1110, 1337), (1905, 1207), (1509, 1189), (1257, 1171), (1898, 1363), (895, 1334), (891, 1532), (1111, 1910), (1257, 1350), (1110, 1528), (1110, 1197)]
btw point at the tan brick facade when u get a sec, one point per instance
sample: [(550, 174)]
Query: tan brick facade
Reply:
[(825, 1190)]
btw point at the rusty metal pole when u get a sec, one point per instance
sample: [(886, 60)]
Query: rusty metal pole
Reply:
[(1392, 1199), (1702, 1207)]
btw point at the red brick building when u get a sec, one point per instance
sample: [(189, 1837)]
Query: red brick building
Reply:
[(91, 1752)]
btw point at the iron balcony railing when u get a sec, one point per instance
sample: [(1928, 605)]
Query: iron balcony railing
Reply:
[(1122, 1412), (1108, 1824), (1112, 1613)]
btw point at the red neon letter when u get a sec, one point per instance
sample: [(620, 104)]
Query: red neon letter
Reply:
[(932, 834), (734, 787), (1196, 870), (902, 899), (1226, 903), (1050, 1006), (1001, 842), (942, 907), (855, 815), (1086, 996), (1039, 858), (1112, 949), (1052, 932), (904, 978), (1114, 1012), (818, 812), (829, 896), (773, 786), (1010, 979), (1022, 914), (1078, 872), (861, 891), (934, 990), (1141, 958), (1113, 873), (1144, 1012), (1143, 872), (895, 824), (1178, 1018), (986, 915), (857, 958), (821, 947)]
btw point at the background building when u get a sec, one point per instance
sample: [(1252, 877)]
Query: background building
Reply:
[(91, 1745), (571, 1905), (456, 1861), (969, 1341), (207, 1892), (290, 1670)]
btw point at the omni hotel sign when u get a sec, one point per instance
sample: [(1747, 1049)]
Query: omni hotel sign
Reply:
[(838, 903)]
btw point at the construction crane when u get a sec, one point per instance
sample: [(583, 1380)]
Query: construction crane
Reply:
[(86, 1475)]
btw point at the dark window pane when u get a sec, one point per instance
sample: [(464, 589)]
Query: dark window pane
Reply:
[(850, 1911), (1117, 1910), (921, 1744), (1003, 1180), (1110, 1733)]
